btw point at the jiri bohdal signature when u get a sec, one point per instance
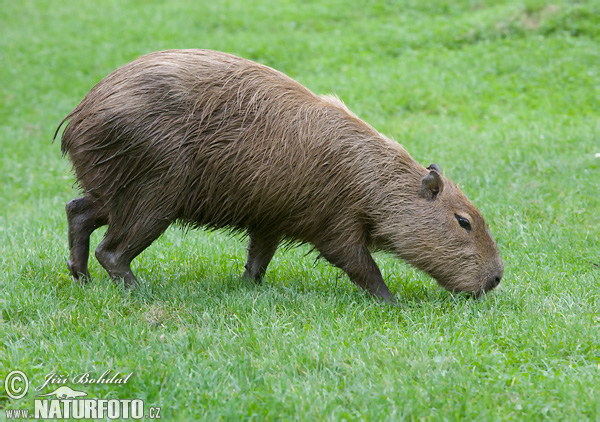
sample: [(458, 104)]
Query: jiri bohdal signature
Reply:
[(107, 377)]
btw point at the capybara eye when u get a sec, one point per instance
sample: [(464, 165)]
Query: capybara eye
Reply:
[(463, 222)]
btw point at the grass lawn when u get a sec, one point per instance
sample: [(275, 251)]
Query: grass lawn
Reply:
[(504, 96)]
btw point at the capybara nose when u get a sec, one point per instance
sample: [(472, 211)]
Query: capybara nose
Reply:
[(493, 281)]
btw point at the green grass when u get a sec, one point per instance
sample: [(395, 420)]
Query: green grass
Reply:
[(504, 96)]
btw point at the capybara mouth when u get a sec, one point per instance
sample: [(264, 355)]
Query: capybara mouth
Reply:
[(479, 294)]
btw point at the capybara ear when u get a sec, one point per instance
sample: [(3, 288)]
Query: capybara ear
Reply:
[(435, 167), (432, 184)]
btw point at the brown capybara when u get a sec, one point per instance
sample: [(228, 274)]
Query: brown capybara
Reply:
[(208, 139)]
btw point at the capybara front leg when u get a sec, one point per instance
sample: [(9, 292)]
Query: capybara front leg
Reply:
[(260, 252), (358, 263), (119, 247), (84, 215)]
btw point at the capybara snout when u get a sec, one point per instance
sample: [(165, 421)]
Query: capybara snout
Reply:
[(207, 139)]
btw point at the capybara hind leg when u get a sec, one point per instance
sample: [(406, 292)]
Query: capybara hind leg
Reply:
[(358, 263), (84, 215), (119, 248), (260, 252)]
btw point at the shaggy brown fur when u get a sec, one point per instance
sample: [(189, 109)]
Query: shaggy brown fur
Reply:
[(213, 140)]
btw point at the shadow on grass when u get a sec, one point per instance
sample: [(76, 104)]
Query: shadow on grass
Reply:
[(292, 290), (338, 292)]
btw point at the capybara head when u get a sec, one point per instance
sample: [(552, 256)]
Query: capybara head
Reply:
[(447, 237)]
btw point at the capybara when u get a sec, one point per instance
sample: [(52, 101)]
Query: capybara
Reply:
[(208, 139)]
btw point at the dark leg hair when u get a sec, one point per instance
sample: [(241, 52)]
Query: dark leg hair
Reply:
[(357, 262), (84, 215), (123, 242), (260, 251)]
